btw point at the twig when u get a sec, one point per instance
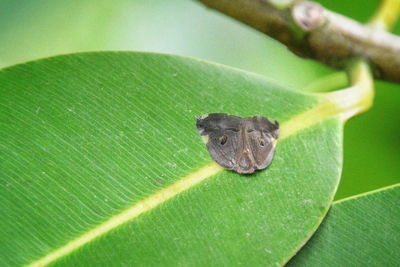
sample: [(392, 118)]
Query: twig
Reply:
[(309, 30)]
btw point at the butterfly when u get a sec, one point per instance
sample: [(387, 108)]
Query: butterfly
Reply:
[(240, 144)]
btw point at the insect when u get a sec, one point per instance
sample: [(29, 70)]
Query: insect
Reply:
[(240, 144)]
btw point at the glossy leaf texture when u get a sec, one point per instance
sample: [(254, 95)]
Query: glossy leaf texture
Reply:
[(102, 164), (358, 231), (32, 30)]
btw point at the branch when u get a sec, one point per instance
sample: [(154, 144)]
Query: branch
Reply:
[(311, 31)]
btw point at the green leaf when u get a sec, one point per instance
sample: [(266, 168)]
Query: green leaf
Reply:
[(358, 231), (102, 164), (38, 30)]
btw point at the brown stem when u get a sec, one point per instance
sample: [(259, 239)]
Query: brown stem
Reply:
[(310, 30)]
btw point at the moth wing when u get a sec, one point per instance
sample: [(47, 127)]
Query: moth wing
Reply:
[(223, 146), (223, 133), (262, 135), (217, 121)]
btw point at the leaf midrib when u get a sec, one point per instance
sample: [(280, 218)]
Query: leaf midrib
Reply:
[(319, 112)]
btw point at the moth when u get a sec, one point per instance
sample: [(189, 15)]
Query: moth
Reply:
[(240, 144)]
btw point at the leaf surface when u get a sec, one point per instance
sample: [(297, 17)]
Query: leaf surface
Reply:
[(37, 30), (102, 164), (358, 231)]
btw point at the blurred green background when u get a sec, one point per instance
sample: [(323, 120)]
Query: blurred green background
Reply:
[(41, 28)]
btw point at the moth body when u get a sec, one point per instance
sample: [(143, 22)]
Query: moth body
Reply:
[(240, 144)]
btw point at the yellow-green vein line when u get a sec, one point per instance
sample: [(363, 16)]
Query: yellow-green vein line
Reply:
[(134, 211), (345, 103), (164, 195)]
